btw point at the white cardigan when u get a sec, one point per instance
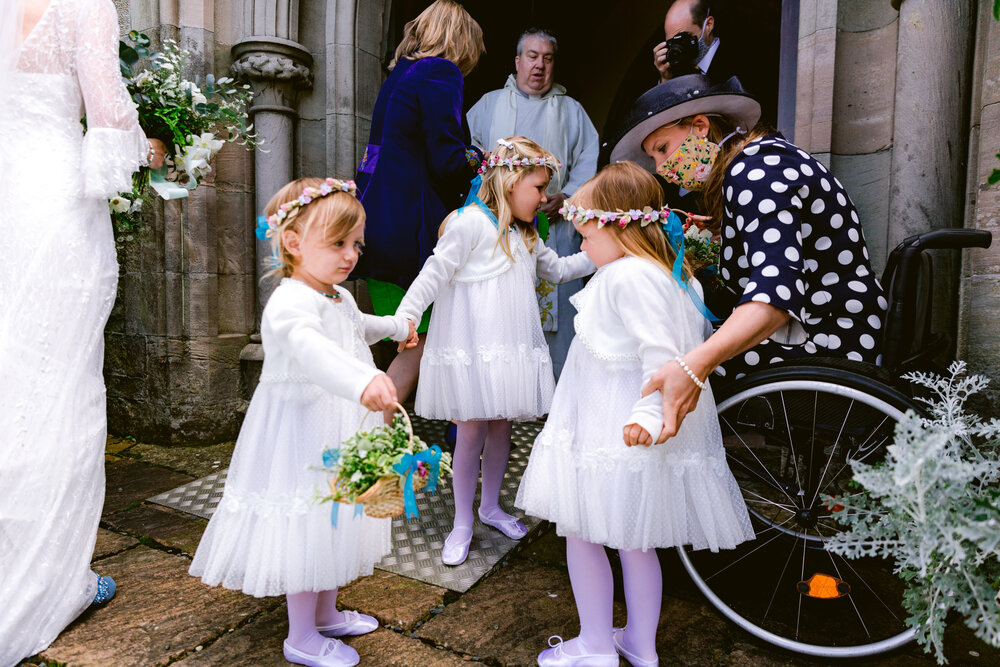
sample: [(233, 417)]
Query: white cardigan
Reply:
[(632, 310), (309, 338), (468, 251)]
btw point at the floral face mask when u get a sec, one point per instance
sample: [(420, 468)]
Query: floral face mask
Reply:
[(691, 163)]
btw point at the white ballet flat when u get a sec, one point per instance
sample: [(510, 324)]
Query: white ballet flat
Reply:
[(511, 526), (556, 656), (353, 625), (334, 653), (454, 552), (633, 659)]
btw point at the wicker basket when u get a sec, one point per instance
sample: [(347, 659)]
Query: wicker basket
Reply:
[(384, 498)]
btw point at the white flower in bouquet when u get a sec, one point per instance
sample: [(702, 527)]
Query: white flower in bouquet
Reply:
[(207, 141), (119, 204), (698, 234), (196, 95)]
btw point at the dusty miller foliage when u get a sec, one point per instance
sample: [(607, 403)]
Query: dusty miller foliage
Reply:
[(932, 507)]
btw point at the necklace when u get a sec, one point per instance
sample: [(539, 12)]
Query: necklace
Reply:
[(334, 297)]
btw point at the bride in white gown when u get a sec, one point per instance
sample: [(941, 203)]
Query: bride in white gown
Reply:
[(58, 275)]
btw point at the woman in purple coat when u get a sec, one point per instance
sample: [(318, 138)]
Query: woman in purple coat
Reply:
[(418, 162)]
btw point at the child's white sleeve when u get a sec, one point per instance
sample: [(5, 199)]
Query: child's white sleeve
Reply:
[(646, 302), (451, 252), (378, 327), (298, 329), (550, 266)]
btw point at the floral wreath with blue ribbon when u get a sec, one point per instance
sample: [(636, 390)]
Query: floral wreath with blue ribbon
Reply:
[(672, 227)]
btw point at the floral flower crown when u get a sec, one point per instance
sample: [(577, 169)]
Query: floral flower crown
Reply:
[(647, 215), (516, 160), (267, 227)]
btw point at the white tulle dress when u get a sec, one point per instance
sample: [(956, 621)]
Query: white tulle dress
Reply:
[(58, 276), (485, 355), (268, 536), (633, 317)]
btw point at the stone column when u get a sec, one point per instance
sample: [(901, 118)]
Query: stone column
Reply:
[(277, 67), (930, 132)]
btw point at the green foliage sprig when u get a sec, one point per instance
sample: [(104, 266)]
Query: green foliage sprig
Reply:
[(933, 507)]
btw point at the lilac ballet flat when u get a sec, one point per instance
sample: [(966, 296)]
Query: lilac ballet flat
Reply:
[(510, 526), (353, 625), (556, 656), (334, 653), (631, 658)]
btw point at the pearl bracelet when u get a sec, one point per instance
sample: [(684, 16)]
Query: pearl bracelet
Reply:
[(687, 369), (150, 154)]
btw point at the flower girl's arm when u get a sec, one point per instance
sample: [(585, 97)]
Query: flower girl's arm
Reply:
[(114, 146), (461, 233), (297, 328), (378, 327), (556, 269)]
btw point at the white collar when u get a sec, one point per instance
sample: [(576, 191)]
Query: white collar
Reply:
[(706, 62)]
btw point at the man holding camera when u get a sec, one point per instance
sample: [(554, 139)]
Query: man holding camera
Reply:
[(691, 44)]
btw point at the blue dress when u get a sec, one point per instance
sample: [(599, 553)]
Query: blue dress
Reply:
[(416, 168), (791, 238)]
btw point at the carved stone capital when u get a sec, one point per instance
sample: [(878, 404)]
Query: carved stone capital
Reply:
[(272, 68), (276, 68)]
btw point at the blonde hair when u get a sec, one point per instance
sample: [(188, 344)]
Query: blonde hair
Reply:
[(495, 191), (334, 216), (443, 30), (624, 186)]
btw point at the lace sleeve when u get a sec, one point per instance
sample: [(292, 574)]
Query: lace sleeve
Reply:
[(114, 146)]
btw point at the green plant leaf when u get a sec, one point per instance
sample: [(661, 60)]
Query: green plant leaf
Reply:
[(996, 9)]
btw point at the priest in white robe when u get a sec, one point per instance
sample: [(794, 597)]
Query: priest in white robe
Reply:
[(532, 105)]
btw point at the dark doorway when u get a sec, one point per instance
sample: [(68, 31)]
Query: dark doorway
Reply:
[(605, 47)]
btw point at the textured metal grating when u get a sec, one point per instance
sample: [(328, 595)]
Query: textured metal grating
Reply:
[(416, 544)]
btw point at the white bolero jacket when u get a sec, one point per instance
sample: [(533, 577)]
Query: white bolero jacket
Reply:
[(468, 252), (309, 338), (634, 311)]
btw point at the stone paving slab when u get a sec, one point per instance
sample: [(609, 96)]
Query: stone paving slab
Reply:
[(194, 461), (510, 615), (167, 527), (392, 599), (110, 543), (130, 482), (158, 614)]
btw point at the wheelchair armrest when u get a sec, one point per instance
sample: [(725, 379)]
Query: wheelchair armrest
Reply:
[(948, 238)]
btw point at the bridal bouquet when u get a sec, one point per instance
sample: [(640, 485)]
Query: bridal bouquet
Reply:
[(193, 118), (382, 468)]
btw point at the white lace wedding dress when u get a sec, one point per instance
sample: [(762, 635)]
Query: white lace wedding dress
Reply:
[(58, 275)]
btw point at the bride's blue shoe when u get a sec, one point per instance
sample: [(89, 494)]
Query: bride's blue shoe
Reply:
[(105, 590)]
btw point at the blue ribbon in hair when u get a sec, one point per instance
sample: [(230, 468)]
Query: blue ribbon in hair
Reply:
[(407, 466), (473, 199), (674, 230), (330, 458), (262, 228)]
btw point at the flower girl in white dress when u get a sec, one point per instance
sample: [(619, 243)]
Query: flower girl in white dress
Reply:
[(268, 536), (486, 362), (633, 317)]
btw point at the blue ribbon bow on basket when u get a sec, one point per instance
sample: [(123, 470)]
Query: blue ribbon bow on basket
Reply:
[(408, 465), (674, 230)]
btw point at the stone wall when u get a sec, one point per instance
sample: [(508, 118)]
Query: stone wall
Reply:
[(979, 310), (185, 295)]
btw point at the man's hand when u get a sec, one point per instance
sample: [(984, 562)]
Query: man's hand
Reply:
[(380, 394), (551, 207), (660, 61), (633, 434), (411, 339)]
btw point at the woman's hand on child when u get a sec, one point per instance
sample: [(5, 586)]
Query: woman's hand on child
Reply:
[(380, 394), (633, 434), (680, 396), (411, 340)]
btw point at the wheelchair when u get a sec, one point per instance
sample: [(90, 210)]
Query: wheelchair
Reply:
[(790, 432)]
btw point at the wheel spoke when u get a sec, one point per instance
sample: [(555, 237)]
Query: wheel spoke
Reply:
[(752, 551), (833, 450), (865, 582), (857, 611), (777, 584), (802, 577), (791, 442), (759, 462)]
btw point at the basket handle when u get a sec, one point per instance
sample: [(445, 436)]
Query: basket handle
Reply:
[(406, 417)]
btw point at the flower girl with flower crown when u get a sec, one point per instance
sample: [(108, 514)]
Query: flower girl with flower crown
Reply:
[(486, 362), (268, 536)]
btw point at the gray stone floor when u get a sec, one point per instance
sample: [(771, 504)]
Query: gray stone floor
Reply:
[(162, 616)]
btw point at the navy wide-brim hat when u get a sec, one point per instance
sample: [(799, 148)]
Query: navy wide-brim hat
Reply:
[(678, 98)]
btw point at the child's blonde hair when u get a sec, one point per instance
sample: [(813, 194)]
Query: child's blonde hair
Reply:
[(625, 186), (443, 30), (334, 216), (495, 190)]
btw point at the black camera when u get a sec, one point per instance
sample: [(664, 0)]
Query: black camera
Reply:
[(682, 54)]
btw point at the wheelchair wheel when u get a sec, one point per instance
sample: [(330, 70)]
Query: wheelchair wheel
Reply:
[(789, 433)]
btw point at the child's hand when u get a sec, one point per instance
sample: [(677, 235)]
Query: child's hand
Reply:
[(380, 394), (411, 340), (633, 434)]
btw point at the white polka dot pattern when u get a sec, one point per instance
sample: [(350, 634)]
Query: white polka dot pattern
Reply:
[(803, 251)]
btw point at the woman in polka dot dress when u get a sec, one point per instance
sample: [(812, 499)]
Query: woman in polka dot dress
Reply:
[(793, 250)]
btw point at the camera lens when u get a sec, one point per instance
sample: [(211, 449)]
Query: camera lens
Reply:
[(682, 51)]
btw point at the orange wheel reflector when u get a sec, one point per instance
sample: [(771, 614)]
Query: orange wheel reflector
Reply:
[(823, 587)]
